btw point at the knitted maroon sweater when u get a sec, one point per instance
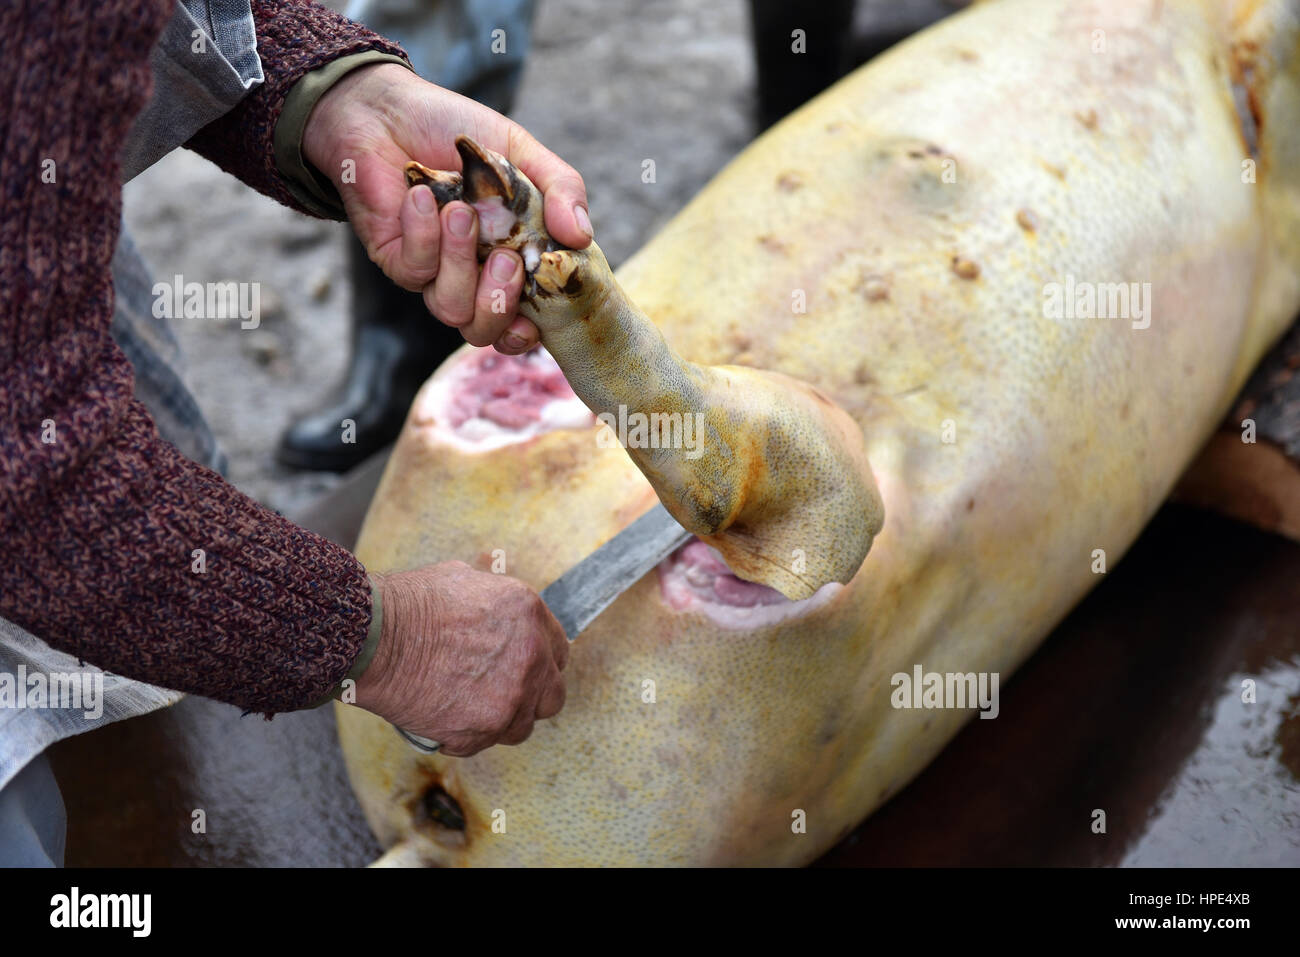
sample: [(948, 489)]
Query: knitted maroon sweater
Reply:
[(97, 527)]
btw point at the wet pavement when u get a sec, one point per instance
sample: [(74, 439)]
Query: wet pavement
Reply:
[(1133, 706)]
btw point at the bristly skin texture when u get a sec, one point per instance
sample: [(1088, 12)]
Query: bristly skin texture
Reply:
[(923, 204), (781, 485)]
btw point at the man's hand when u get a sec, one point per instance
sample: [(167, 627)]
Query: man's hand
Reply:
[(468, 658), (379, 117)]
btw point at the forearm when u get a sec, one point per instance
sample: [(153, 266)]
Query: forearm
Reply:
[(119, 550), (113, 546)]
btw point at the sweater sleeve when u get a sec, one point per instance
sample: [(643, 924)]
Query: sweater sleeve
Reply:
[(113, 546), (294, 37)]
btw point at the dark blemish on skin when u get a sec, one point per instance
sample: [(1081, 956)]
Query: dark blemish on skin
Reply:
[(442, 809), (934, 150), (970, 504), (1124, 412), (967, 56), (1088, 119), (862, 375), (1245, 99), (789, 182), (916, 154), (915, 390), (572, 285), (1026, 220), (712, 517), (965, 268), (875, 288), (772, 245), (1054, 170)]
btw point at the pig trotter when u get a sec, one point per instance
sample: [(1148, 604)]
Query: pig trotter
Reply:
[(764, 468)]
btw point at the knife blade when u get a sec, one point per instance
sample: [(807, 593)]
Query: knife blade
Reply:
[(578, 596)]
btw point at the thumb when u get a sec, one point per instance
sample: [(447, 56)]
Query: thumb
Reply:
[(566, 213)]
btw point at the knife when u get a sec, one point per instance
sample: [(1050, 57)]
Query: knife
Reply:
[(578, 596)]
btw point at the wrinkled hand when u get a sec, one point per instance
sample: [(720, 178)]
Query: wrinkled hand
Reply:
[(468, 658), (361, 135)]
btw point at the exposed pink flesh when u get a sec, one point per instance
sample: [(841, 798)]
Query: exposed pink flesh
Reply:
[(482, 400), (707, 577), (494, 220), (696, 579), (510, 391)]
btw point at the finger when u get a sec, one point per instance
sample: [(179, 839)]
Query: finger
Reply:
[(566, 213), (417, 264), (462, 746), (466, 752), (521, 728), (552, 699), (451, 297), (520, 336), (558, 640), (497, 299)]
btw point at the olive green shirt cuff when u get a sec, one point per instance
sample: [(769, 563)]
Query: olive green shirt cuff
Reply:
[(312, 189), (367, 653)]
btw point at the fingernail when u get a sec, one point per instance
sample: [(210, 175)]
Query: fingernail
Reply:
[(424, 200), (460, 221), (502, 266), (515, 342), (584, 222)]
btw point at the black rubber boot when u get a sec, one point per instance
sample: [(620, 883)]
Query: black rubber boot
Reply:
[(787, 78), (396, 345), (793, 68)]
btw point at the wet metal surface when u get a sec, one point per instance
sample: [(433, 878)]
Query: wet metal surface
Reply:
[(1133, 706)]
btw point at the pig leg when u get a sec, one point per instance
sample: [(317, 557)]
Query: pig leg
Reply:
[(764, 468)]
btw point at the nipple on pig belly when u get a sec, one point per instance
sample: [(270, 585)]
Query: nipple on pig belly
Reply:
[(487, 400), (695, 578)]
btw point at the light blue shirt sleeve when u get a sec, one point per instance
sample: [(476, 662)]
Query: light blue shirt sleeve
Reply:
[(203, 64)]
